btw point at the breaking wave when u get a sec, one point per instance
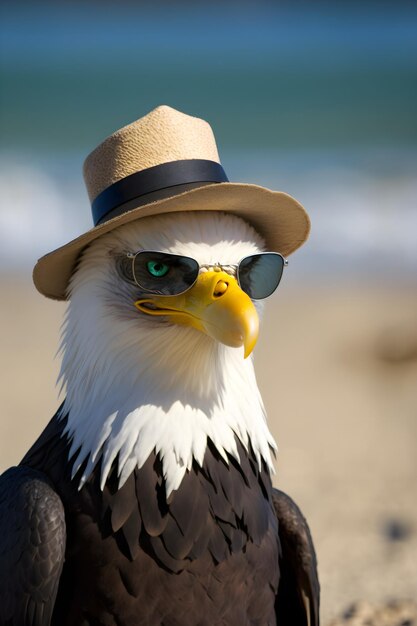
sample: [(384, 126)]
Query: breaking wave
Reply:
[(363, 210)]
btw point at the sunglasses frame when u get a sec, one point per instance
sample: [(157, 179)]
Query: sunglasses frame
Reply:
[(132, 256)]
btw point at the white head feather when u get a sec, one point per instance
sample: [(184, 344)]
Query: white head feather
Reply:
[(135, 383)]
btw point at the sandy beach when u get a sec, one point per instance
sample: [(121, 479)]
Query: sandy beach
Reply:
[(337, 368)]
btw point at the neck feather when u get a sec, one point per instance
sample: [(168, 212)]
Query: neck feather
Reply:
[(147, 396)]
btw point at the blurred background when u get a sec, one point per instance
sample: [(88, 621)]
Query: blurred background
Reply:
[(315, 99)]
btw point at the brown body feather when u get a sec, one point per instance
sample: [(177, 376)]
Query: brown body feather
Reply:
[(208, 555)]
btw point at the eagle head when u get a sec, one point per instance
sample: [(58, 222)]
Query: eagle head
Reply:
[(145, 369)]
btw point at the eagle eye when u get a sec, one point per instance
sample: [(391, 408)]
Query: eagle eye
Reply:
[(157, 268)]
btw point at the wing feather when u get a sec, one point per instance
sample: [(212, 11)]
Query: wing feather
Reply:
[(298, 598), (32, 547)]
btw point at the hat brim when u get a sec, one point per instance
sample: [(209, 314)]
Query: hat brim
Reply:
[(279, 219)]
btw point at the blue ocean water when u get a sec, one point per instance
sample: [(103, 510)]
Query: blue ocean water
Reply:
[(315, 100)]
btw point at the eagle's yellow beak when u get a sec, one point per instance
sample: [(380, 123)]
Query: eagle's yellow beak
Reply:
[(215, 305)]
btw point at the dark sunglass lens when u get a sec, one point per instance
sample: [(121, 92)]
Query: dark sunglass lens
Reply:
[(259, 274), (164, 274)]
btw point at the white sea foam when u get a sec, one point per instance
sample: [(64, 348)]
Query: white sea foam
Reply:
[(363, 219)]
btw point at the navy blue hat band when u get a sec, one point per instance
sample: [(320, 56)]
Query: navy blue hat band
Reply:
[(154, 179)]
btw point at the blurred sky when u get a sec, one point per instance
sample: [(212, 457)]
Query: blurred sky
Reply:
[(319, 100)]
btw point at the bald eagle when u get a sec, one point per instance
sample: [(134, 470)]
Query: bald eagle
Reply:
[(147, 499)]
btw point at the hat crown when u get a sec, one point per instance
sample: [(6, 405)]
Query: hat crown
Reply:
[(162, 136)]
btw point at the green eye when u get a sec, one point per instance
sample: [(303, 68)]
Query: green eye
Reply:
[(156, 268)]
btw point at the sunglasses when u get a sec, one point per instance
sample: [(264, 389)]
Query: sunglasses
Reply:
[(166, 274)]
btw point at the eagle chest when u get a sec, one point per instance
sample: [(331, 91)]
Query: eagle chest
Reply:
[(206, 555)]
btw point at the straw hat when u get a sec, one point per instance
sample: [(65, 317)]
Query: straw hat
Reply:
[(164, 162)]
